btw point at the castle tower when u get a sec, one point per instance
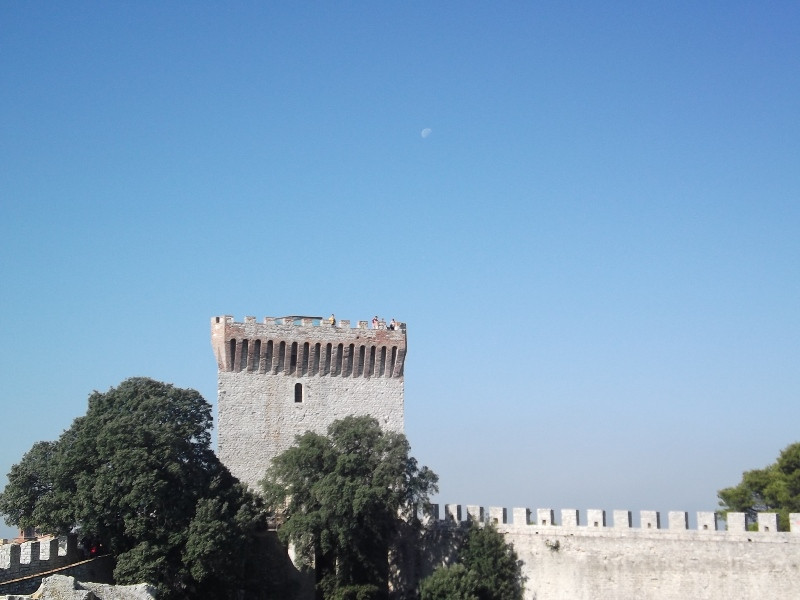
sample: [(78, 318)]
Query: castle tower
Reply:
[(288, 375)]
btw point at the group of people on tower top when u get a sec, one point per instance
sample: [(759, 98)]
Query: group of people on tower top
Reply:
[(376, 323), (381, 324)]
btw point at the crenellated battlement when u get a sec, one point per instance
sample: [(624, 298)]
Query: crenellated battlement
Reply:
[(28, 558), (308, 346), (596, 519), (583, 555)]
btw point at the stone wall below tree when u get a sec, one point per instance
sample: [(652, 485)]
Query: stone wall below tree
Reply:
[(46, 554), (650, 562), (62, 587)]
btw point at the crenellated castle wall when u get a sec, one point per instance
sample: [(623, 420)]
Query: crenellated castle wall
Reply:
[(586, 557), (284, 376), (287, 375), (28, 558)]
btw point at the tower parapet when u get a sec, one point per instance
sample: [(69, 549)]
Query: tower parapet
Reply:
[(287, 375), (302, 346)]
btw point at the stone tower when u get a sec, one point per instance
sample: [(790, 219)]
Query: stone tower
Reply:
[(288, 375)]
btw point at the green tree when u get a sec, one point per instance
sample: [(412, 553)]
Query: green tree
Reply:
[(494, 562), (137, 473), (488, 569), (453, 582), (31, 487), (775, 488), (342, 498)]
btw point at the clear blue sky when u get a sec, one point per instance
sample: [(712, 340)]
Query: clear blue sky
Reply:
[(596, 249)]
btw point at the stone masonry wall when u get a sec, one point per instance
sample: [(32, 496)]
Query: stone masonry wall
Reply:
[(339, 370), (28, 558), (23, 565), (619, 562), (99, 570), (67, 587)]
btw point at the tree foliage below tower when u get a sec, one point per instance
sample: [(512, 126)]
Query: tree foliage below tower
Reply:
[(342, 499), (138, 475), (775, 488), (487, 568), (453, 582)]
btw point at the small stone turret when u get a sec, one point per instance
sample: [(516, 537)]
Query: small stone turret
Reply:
[(288, 375)]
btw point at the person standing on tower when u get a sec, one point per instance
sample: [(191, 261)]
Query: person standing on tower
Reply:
[(332, 320)]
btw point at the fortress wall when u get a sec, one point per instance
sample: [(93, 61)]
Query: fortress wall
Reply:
[(27, 558), (618, 562), (586, 563), (98, 570)]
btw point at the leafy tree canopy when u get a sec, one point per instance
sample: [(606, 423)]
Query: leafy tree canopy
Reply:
[(487, 569), (137, 474), (342, 498), (775, 488), (453, 582)]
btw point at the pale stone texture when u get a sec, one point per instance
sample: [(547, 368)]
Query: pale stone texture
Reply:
[(650, 519), (475, 513), (707, 521), (768, 522), (28, 558), (569, 517), (588, 562), (343, 371), (498, 514), (453, 512), (596, 517), (521, 516), (62, 587), (678, 519), (623, 519), (736, 521)]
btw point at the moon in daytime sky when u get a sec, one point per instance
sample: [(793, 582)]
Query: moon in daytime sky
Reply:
[(425, 132)]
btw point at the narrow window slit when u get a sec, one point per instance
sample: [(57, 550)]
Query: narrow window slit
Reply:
[(281, 357), (255, 363), (293, 361), (394, 360), (268, 357), (371, 367), (315, 362), (304, 366), (328, 350)]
